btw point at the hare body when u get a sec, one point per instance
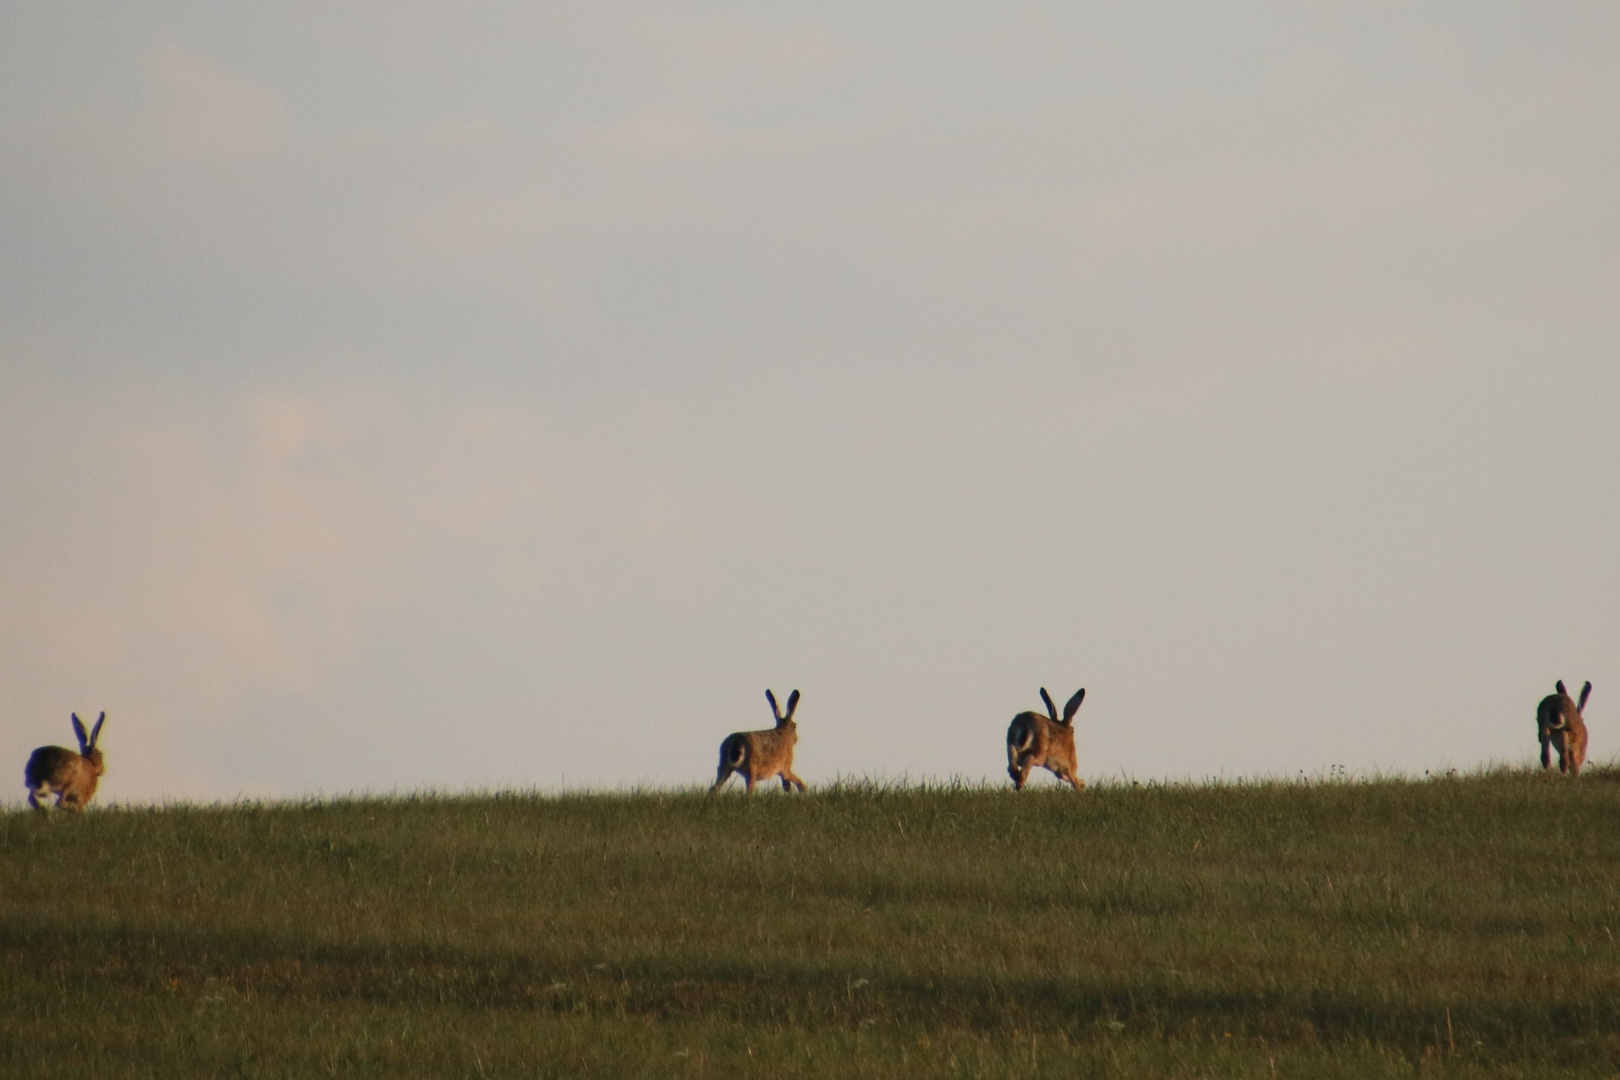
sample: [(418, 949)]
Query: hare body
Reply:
[(1046, 742), (761, 755), (73, 777), (1560, 726)]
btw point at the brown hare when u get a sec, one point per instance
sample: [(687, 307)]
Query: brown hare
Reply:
[(72, 776), (760, 755), (1559, 724), (1045, 741)]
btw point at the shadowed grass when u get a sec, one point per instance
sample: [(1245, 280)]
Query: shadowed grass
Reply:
[(1460, 926)]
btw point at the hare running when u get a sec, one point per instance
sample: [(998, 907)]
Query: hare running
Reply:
[(72, 776), (760, 755), (1045, 741), (1559, 724)]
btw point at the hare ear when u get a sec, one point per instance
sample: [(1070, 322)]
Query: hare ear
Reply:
[(78, 729), (1586, 692), (793, 703), (1559, 686), (1074, 705), (95, 732), (1050, 708), (770, 697)]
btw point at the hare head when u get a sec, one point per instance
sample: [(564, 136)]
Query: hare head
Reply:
[(783, 719), (1045, 742), (762, 755), (87, 743)]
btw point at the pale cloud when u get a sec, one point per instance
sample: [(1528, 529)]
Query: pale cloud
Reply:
[(204, 112), (711, 57), (473, 224), (1319, 200), (656, 131), (469, 130), (796, 49)]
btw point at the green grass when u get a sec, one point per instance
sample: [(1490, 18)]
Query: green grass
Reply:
[(1454, 927)]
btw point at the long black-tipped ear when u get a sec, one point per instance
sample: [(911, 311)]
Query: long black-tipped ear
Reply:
[(1586, 692), (1559, 686), (1051, 709), (793, 703), (1074, 705), (770, 697), (95, 732)]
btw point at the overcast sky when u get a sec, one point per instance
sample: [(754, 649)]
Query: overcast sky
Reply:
[(468, 395)]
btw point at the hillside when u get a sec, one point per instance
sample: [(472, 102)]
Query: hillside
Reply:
[(1458, 927)]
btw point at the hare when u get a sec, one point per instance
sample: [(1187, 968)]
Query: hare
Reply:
[(72, 776), (760, 755), (1033, 739), (1559, 724)]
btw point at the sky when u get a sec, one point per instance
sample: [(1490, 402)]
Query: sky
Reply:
[(503, 395)]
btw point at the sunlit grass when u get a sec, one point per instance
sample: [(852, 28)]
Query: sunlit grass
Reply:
[(1456, 926)]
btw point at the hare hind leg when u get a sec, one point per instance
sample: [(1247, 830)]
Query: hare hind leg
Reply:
[(1069, 778), (734, 758), (40, 797), (1017, 768)]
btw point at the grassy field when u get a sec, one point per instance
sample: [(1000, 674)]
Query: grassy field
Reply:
[(1450, 927)]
